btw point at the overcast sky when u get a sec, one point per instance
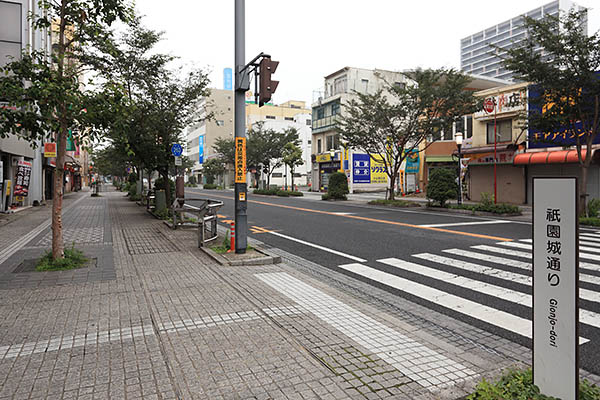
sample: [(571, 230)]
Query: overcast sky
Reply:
[(313, 38)]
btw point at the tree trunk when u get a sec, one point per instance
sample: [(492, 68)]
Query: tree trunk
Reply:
[(165, 176), (292, 171), (59, 173), (583, 190), (392, 195)]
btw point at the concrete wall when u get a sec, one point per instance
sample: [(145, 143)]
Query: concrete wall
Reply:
[(510, 183)]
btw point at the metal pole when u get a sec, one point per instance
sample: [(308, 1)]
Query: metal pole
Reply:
[(241, 219), (495, 156), (459, 174)]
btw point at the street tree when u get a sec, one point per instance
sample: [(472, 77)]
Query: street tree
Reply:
[(212, 169), (44, 93), (225, 148), (393, 122), (292, 157), (565, 81)]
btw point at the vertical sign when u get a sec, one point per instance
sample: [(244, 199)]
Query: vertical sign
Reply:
[(361, 166), (240, 160), (227, 79), (200, 149), (22, 179), (555, 286), (49, 149)]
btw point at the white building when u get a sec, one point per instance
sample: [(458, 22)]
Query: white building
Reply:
[(478, 57), (282, 175)]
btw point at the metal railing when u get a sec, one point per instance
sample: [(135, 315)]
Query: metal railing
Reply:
[(205, 214)]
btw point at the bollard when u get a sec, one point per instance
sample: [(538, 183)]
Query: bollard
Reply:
[(232, 237)]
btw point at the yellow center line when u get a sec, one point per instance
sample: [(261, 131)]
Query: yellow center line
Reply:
[(381, 221)]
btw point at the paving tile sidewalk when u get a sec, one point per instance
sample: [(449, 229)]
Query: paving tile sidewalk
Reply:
[(166, 322)]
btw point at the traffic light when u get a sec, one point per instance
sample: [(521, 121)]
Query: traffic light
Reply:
[(267, 86)]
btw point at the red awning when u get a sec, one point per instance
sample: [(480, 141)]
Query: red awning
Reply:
[(548, 157)]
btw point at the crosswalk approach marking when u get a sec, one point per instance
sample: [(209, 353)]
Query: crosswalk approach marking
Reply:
[(585, 294), (420, 363), (513, 296), (513, 263), (496, 221)]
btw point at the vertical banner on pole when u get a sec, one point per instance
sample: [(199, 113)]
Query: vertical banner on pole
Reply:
[(555, 286), (240, 160)]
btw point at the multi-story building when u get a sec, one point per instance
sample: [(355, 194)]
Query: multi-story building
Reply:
[(18, 157), (328, 154), (481, 53)]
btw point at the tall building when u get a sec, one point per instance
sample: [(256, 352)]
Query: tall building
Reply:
[(481, 52)]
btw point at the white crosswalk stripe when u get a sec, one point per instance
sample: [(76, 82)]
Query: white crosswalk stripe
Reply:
[(581, 242), (526, 246), (513, 263)]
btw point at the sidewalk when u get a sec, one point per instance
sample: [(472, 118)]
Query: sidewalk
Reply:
[(158, 319)]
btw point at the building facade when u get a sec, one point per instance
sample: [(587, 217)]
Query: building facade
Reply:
[(328, 154), (479, 57)]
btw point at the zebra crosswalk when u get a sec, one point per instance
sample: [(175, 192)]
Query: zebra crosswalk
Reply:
[(488, 283)]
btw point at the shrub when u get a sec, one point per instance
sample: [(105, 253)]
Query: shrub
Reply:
[(267, 192), (210, 186), (192, 180), (295, 193), (159, 184), (593, 207), (135, 197), (394, 203), (73, 259), (132, 190), (162, 214), (592, 221), (338, 186), (518, 385), (442, 185), (282, 193), (132, 177)]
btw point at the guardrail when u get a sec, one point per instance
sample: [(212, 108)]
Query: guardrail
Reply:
[(206, 217)]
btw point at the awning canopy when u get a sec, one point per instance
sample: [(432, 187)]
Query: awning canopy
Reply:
[(549, 157), (441, 158)]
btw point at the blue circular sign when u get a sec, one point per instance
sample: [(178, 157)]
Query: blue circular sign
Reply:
[(176, 149)]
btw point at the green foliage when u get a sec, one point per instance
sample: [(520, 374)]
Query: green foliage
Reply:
[(442, 185), (518, 385), (192, 180), (500, 208), (292, 157), (593, 207), (394, 203), (135, 197), (162, 214), (73, 259), (132, 189), (212, 169), (591, 221), (267, 192), (226, 150), (159, 184), (210, 186), (132, 177), (295, 193), (282, 193), (337, 189)]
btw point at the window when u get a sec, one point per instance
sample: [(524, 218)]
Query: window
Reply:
[(319, 146), (270, 117), (364, 85), (333, 142), (308, 122), (320, 112), (460, 126), (400, 85), (10, 33), (447, 133), (220, 122), (503, 131), (277, 175), (469, 126), (335, 108), (289, 118), (340, 85), (297, 175), (309, 142)]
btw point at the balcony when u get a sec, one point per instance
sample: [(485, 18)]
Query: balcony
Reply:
[(324, 124)]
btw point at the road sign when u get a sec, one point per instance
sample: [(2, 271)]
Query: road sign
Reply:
[(240, 160), (489, 104), (555, 286), (176, 149), (178, 161)]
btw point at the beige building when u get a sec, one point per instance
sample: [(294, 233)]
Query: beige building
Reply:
[(271, 112)]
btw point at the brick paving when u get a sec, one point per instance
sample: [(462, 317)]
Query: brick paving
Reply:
[(163, 321)]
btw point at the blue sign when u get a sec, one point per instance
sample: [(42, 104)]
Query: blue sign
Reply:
[(227, 79), (361, 168), (200, 149), (176, 150), (412, 162)]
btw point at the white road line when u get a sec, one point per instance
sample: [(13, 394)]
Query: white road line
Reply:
[(410, 357), (586, 294), (316, 246), (588, 236), (23, 240), (514, 263), (470, 308), (585, 316), (496, 221), (527, 255), (526, 246), (581, 242)]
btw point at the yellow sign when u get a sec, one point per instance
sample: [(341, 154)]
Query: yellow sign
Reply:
[(240, 160), (49, 149), (378, 174), (242, 196), (19, 198), (323, 158), (8, 188)]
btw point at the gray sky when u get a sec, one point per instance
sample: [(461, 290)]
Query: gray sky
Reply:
[(313, 38)]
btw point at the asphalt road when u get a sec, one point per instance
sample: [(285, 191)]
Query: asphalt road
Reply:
[(409, 252)]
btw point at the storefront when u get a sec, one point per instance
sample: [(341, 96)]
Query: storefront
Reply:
[(327, 167)]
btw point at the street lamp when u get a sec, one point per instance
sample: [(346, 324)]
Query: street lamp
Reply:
[(459, 140), (332, 154)]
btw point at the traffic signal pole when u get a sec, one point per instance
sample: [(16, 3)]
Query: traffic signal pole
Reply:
[(241, 218)]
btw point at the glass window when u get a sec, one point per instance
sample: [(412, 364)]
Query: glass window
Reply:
[(320, 112), (365, 85), (333, 142), (270, 117), (10, 22), (319, 146), (340, 85), (308, 122), (289, 118), (460, 126), (335, 108), (469, 126), (503, 131)]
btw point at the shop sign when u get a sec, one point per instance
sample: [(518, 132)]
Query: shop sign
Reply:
[(7, 191), (367, 169), (555, 287), (412, 162), (240, 160), (49, 149), (502, 104), (502, 157), (323, 158), (200, 149), (22, 178)]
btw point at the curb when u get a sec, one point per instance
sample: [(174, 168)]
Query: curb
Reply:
[(469, 212), (268, 259)]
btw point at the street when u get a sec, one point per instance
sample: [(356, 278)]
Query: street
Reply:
[(475, 269)]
